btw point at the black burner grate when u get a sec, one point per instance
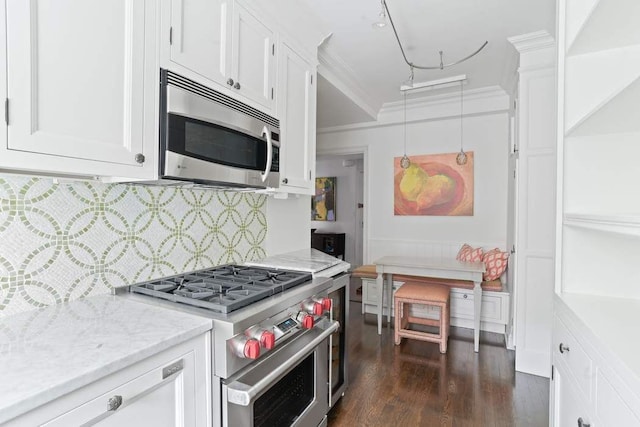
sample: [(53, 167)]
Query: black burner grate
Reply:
[(225, 288)]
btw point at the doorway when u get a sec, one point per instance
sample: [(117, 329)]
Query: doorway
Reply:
[(349, 171)]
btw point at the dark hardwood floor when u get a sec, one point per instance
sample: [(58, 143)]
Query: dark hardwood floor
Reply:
[(414, 385)]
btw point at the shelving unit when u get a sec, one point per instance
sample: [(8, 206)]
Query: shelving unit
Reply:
[(598, 218), (599, 140)]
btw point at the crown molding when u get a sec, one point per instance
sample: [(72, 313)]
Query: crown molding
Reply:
[(485, 100), (333, 68), (532, 41)]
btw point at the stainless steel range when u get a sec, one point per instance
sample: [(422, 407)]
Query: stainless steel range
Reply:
[(270, 340)]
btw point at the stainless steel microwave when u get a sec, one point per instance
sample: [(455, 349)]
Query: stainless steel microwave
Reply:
[(210, 139)]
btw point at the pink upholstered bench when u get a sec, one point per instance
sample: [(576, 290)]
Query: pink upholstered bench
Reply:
[(426, 294)]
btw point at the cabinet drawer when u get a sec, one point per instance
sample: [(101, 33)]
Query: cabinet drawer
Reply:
[(578, 364), (370, 291), (611, 409), (494, 306)]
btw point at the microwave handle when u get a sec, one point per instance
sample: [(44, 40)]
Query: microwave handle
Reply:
[(265, 132)]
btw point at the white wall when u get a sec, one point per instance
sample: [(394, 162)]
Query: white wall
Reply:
[(289, 224), (431, 129), (346, 202)]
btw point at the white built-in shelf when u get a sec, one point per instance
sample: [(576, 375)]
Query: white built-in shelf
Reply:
[(621, 224), (587, 92), (578, 13), (602, 25), (618, 115)]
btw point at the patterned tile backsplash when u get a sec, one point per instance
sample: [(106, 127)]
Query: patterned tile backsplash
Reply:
[(60, 242)]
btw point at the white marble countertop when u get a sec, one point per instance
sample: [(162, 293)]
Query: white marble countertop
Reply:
[(47, 353), (309, 260)]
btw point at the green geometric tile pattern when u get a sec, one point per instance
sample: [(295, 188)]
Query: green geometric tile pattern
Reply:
[(60, 242)]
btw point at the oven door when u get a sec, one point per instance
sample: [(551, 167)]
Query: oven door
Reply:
[(289, 388)]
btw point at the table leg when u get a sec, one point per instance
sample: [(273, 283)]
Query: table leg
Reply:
[(379, 308), (389, 297), (477, 309)]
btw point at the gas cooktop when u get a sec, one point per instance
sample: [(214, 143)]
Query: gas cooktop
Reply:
[(225, 288)]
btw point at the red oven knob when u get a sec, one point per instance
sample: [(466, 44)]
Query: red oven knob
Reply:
[(251, 349), (268, 340), (307, 322), (312, 307), (326, 304), (318, 309)]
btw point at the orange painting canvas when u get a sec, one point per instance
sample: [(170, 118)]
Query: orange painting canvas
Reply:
[(434, 184)]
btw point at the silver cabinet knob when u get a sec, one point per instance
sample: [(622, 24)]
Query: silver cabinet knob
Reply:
[(230, 82), (237, 85), (114, 402), (563, 348), (581, 423), (139, 158), (465, 296)]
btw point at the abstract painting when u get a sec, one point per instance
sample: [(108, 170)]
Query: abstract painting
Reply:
[(323, 203), (433, 184)]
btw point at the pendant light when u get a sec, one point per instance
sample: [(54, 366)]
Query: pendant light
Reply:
[(461, 158), (405, 162), (382, 17)]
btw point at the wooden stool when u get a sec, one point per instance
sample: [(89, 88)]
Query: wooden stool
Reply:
[(426, 294)]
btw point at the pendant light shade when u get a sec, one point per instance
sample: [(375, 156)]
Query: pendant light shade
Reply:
[(382, 17)]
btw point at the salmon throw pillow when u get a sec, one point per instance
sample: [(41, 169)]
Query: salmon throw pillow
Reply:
[(495, 262), (469, 254)]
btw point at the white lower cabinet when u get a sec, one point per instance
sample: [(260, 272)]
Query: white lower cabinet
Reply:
[(582, 386), (493, 318), (567, 408), (171, 388)]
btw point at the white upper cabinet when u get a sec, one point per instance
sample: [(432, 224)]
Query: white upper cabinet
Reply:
[(220, 42), (253, 57), (80, 87), (297, 107), (199, 36)]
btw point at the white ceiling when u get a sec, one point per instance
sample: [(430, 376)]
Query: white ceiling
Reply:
[(373, 59)]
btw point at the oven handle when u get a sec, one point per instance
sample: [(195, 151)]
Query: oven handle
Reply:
[(242, 394)]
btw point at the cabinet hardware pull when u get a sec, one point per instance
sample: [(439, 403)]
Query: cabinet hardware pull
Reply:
[(139, 158), (465, 296), (285, 181), (167, 371), (170, 35), (237, 85), (563, 348), (581, 423), (114, 402), (230, 82), (6, 111)]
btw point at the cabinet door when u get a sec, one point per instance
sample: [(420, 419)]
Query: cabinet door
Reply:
[(199, 36), (78, 86), (3, 75), (297, 107), (566, 407), (253, 58)]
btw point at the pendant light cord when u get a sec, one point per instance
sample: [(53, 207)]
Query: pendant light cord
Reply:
[(405, 124), (461, 131)]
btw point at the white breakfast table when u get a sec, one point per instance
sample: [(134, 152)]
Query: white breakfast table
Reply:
[(437, 267)]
